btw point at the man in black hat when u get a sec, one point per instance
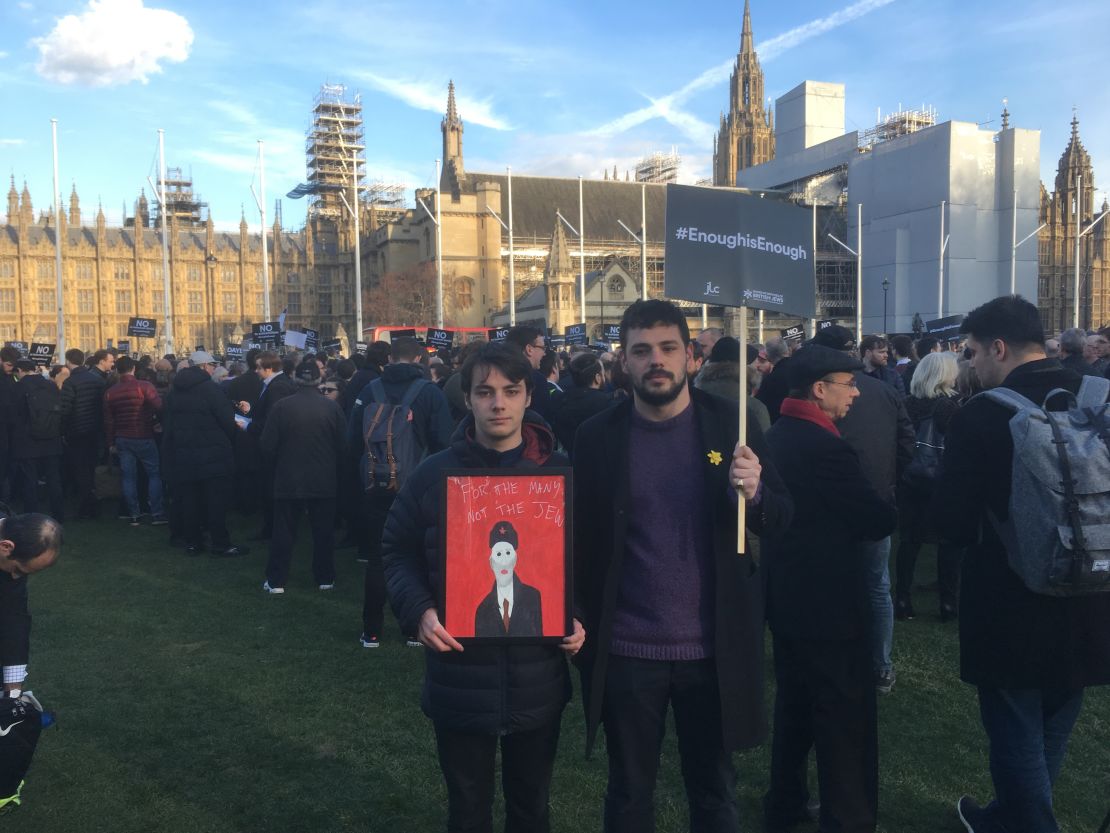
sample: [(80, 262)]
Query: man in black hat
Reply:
[(818, 603), (305, 437), (512, 607), (881, 432)]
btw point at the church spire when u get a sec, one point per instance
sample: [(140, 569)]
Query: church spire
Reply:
[(558, 260), (1005, 115), (13, 204), (746, 40), (452, 111)]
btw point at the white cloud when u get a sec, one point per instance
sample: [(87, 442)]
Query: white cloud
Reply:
[(666, 107), (433, 97), (113, 42), (3, 55), (12, 142)]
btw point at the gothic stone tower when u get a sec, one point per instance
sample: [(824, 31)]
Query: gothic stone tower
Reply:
[(747, 134), (1075, 189), (559, 283)]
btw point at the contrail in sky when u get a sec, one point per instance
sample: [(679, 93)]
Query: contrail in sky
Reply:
[(666, 107)]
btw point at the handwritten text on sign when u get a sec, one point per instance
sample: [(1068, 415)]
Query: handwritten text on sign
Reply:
[(528, 509)]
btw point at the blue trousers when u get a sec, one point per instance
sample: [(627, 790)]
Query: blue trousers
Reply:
[(132, 453), (1028, 731), (877, 567)]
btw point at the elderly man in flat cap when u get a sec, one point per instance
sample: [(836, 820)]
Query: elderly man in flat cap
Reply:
[(818, 605)]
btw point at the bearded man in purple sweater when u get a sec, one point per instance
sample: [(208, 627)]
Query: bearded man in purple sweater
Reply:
[(673, 614)]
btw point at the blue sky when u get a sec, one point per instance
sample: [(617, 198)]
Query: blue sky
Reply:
[(560, 89)]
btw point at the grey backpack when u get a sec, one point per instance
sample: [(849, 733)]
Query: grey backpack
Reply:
[(1057, 536)]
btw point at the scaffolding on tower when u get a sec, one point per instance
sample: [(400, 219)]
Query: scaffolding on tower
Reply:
[(659, 167), (334, 147), (183, 207), (900, 123)]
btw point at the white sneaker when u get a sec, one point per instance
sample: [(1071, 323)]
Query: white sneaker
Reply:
[(413, 642), (327, 587), (273, 591), (369, 641)]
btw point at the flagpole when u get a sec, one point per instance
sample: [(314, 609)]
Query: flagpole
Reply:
[(61, 337), (741, 504), (262, 216)]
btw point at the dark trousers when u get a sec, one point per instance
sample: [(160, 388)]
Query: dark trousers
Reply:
[(948, 571), (634, 714), (29, 471), (82, 452), (468, 761), (321, 519), (204, 506), (825, 699), (375, 512), (1028, 731), (265, 484)]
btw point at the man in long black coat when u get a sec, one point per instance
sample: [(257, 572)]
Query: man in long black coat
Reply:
[(817, 604), (198, 425), (1029, 655), (674, 614), (305, 437), (276, 385)]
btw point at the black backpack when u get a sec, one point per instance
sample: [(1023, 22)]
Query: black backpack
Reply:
[(928, 451), (44, 403), (393, 450)]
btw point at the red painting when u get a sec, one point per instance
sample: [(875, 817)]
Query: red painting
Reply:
[(506, 554)]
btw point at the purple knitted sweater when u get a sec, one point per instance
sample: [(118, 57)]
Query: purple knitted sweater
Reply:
[(666, 604)]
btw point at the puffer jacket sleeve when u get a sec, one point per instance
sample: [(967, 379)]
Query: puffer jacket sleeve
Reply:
[(403, 551)]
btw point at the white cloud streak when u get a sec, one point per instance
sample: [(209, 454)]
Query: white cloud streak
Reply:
[(666, 107), (112, 42), (433, 97), (12, 142)]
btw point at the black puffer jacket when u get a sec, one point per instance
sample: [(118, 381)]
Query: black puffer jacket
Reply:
[(485, 689), (82, 401), (198, 426)]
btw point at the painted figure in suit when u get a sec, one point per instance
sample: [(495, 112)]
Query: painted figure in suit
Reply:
[(512, 607)]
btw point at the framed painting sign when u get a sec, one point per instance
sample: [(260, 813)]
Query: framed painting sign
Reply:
[(506, 555)]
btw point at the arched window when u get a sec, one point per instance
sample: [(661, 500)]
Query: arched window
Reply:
[(616, 286), (464, 293)]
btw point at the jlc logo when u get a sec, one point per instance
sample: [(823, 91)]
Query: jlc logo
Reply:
[(711, 288)]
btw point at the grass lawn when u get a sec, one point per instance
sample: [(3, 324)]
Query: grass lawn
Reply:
[(188, 700)]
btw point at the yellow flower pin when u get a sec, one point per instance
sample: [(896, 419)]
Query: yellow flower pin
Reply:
[(715, 457)]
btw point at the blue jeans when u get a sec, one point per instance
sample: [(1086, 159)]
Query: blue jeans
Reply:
[(877, 568), (1028, 731), (131, 453)]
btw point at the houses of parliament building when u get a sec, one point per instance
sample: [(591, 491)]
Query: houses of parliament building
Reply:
[(111, 273)]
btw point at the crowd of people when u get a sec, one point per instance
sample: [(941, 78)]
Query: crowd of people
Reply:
[(847, 444)]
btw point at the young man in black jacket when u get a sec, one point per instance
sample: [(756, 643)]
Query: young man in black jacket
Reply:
[(1029, 655), (486, 695), (674, 614), (818, 606), (82, 422)]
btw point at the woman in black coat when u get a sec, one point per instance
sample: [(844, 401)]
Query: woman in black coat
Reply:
[(582, 400), (933, 396)]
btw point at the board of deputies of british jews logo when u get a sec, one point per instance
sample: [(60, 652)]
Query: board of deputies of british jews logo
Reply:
[(758, 295)]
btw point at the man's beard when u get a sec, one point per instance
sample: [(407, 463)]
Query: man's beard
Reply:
[(658, 399)]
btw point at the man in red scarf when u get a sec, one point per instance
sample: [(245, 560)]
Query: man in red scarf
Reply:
[(818, 604)]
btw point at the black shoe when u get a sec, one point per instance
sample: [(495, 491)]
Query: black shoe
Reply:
[(948, 613), (193, 549), (884, 681), (903, 609), (971, 814), (230, 552)]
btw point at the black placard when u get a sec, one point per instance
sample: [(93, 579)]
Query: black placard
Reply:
[(311, 338), (612, 333), (576, 334), (497, 333), (824, 325), (360, 346), (253, 345), (267, 332), (235, 351), (557, 341), (142, 327), (41, 354), (440, 338), (21, 346), (124, 346), (332, 345), (726, 247), (408, 333), (795, 333), (946, 328)]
